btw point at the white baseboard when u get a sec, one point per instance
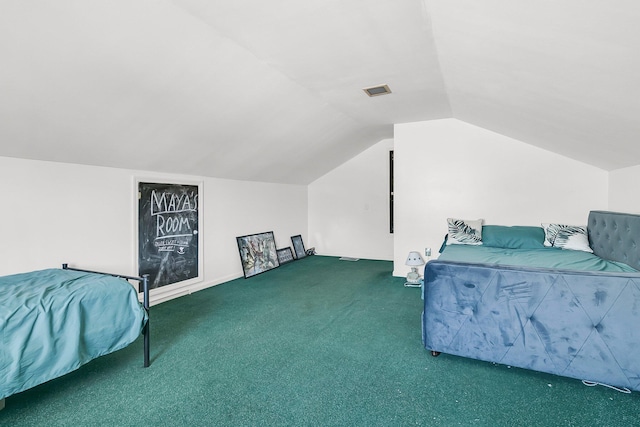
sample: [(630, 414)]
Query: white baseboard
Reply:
[(187, 290)]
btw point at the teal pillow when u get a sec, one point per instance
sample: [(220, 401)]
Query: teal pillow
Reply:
[(515, 237)]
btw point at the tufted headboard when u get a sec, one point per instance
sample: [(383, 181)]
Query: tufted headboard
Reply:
[(615, 236)]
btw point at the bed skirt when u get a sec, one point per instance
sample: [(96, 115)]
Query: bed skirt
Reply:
[(582, 325)]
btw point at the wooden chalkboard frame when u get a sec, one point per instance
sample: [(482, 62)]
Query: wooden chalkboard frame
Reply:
[(142, 265)]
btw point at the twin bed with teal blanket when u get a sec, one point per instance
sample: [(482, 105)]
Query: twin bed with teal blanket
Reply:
[(54, 321), (512, 300)]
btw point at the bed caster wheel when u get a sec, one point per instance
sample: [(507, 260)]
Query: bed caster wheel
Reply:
[(435, 353)]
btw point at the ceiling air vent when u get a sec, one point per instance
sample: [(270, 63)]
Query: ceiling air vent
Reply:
[(377, 90)]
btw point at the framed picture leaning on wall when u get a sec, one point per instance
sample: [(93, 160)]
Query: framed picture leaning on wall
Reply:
[(257, 253), (298, 246)]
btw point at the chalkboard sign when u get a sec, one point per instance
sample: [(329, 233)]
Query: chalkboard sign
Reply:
[(167, 232)]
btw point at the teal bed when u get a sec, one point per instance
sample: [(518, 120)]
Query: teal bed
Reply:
[(54, 321), (514, 301)]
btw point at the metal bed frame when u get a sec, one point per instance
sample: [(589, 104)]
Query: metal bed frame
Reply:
[(143, 282)]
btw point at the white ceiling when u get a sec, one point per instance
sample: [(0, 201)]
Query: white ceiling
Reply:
[(272, 90)]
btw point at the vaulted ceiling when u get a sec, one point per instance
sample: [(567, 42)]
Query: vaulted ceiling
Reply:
[(272, 90)]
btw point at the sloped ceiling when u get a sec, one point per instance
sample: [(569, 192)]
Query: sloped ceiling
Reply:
[(272, 91), (561, 75)]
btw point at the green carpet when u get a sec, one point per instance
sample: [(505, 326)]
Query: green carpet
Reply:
[(317, 342)]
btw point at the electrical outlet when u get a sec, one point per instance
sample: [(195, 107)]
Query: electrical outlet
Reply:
[(427, 251)]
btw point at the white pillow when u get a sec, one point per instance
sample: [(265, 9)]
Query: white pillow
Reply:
[(573, 237), (464, 232)]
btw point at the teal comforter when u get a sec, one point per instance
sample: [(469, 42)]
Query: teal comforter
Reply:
[(555, 258), (54, 321)]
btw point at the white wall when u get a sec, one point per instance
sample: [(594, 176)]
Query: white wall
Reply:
[(449, 168), (623, 190), (54, 213), (349, 207)]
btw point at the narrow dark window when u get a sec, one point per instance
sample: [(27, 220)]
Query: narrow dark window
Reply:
[(391, 191)]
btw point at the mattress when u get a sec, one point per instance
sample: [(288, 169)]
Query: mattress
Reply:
[(555, 258)]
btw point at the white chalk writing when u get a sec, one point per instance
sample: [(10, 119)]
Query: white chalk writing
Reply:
[(168, 202), (173, 212)]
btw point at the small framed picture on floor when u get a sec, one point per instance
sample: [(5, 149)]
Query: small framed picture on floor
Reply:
[(285, 255)]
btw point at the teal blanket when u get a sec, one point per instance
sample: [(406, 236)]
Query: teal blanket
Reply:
[(54, 321), (555, 258)]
